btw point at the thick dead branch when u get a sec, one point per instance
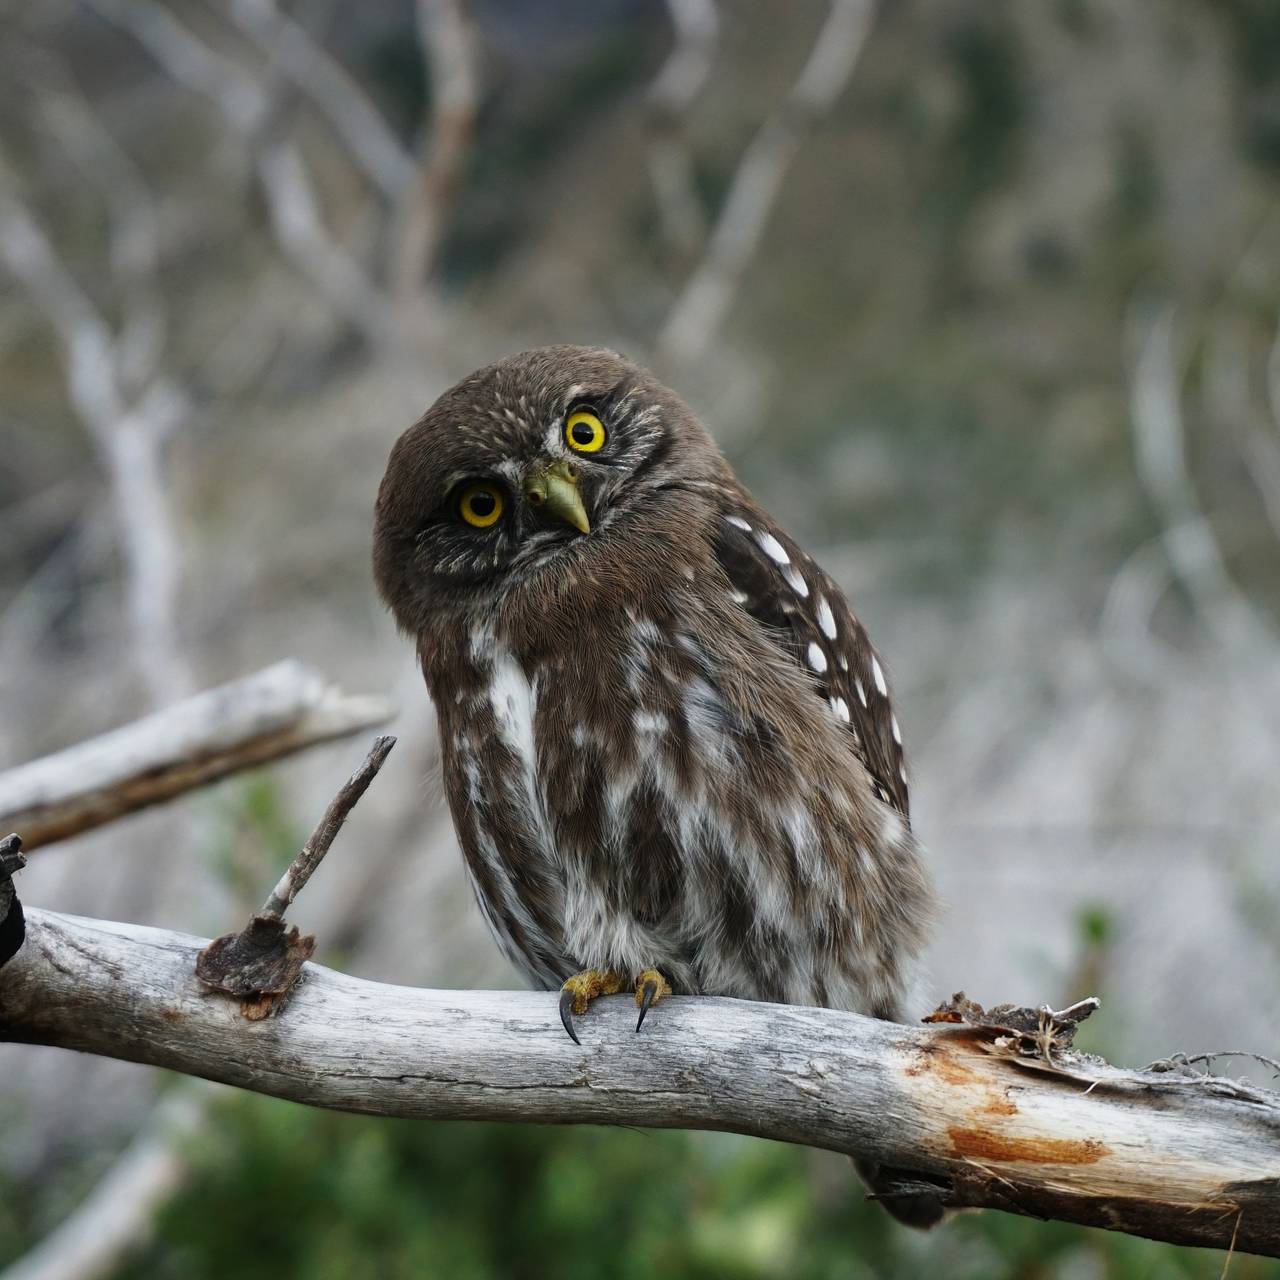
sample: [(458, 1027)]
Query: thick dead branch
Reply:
[(281, 710), (973, 1108)]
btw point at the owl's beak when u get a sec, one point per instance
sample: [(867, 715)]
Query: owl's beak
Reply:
[(554, 489)]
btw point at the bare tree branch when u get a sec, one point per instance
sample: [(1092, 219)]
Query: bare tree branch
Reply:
[(127, 435), (1182, 1157), (281, 710), (1160, 455), (300, 870), (681, 78), (97, 1237), (338, 97), (701, 307), (449, 57), (245, 104)]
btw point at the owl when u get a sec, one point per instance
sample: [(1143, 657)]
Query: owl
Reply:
[(668, 744)]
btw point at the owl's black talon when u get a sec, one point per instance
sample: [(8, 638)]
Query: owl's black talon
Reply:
[(566, 1015), (648, 993), (651, 986)]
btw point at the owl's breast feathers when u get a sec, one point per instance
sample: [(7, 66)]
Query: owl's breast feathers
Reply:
[(706, 778)]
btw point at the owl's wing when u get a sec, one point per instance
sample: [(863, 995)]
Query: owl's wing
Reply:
[(808, 616)]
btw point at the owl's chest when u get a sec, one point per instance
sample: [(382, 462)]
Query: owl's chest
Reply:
[(565, 758)]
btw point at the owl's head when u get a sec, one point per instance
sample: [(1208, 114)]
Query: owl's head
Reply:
[(537, 465)]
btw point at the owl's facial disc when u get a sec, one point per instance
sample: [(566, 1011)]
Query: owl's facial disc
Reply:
[(553, 489)]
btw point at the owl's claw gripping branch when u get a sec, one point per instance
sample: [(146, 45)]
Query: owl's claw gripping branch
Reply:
[(651, 986), (580, 990)]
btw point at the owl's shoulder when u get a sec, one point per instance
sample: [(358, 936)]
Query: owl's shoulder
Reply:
[(806, 615)]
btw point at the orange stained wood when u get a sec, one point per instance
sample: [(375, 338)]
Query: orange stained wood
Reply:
[(981, 1144)]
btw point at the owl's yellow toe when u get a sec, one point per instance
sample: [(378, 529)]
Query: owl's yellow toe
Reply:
[(578, 992), (651, 986)]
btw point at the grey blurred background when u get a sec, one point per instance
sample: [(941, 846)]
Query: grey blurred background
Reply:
[(980, 297)]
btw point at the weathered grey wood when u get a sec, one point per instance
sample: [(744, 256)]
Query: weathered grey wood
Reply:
[(278, 711), (1189, 1159)]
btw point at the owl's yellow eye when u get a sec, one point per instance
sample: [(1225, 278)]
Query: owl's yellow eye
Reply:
[(481, 505), (584, 432)]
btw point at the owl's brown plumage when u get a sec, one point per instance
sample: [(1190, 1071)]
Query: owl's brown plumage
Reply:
[(667, 741)]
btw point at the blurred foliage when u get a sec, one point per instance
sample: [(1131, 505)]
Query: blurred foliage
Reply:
[(251, 837), (279, 1190)]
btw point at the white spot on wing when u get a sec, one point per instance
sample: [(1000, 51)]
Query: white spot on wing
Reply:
[(862, 693), (897, 733), (879, 676), (796, 582), (841, 708), (826, 619), (738, 523), (773, 548), (817, 659)]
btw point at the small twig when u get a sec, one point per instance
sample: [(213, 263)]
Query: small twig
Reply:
[(312, 853), (1187, 1059), (259, 965)]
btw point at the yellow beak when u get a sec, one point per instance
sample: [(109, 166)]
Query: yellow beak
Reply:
[(555, 489)]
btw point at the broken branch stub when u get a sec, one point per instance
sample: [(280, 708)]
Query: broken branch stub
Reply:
[(259, 965), (13, 930)]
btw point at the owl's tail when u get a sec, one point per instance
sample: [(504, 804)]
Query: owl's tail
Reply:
[(910, 1198)]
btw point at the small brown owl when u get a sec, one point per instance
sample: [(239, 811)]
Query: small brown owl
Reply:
[(668, 743)]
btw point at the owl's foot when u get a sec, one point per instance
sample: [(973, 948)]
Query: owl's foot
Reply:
[(651, 986), (580, 990)]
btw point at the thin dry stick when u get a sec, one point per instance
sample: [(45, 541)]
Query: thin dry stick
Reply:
[(260, 964), (312, 853)]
